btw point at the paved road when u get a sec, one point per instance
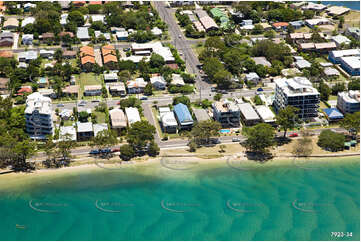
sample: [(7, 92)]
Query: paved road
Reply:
[(182, 44)]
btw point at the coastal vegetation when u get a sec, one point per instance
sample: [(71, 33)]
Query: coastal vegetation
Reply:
[(330, 140), (259, 138), (287, 119)]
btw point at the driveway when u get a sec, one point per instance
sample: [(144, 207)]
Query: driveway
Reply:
[(98, 57)]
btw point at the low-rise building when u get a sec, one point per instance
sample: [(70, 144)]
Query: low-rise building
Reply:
[(351, 64), (226, 113), (71, 90), (348, 102), (330, 72), (340, 39), (27, 39), (118, 120), (6, 39), (83, 34), (297, 92), (84, 131), (183, 116), (27, 20), (99, 127), (4, 85), (46, 53), (248, 115), (38, 116), (266, 114), (110, 77), (317, 21), (136, 86), (67, 133), (158, 82), (335, 56), (280, 26), (353, 31), (177, 80), (117, 89), (92, 90), (11, 24), (27, 56), (69, 54), (169, 122), (132, 115), (261, 61), (201, 114), (252, 77)]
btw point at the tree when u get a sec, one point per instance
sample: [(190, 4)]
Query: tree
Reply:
[(140, 134), (341, 22), (324, 90), (354, 85), (126, 152), (104, 139), (204, 130), (65, 146), (76, 17), (222, 148), (259, 137), (303, 146), (83, 116), (153, 149), (338, 87), (58, 85), (217, 97), (351, 122), (148, 90), (212, 66), (331, 141), (223, 79), (58, 55), (287, 118), (258, 29), (124, 75), (270, 34), (182, 99)]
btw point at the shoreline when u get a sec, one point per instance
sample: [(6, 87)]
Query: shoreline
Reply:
[(157, 165)]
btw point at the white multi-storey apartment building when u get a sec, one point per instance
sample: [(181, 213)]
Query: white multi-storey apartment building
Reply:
[(227, 113), (348, 102), (39, 122), (297, 92)]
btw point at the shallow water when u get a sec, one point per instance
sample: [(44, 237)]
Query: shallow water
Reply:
[(297, 201)]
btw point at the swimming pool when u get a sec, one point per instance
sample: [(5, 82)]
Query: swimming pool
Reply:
[(225, 131)]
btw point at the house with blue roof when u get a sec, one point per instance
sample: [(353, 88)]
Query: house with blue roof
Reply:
[(297, 24), (183, 116), (333, 114)]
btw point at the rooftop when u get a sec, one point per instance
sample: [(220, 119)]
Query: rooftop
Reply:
[(117, 118), (350, 96), (132, 115), (261, 61), (84, 127), (183, 114), (37, 102), (296, 86)]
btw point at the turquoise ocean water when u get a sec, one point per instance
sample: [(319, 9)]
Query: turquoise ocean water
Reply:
[(294, 202)]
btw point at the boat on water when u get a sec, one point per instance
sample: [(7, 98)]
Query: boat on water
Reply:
[(18, 226)]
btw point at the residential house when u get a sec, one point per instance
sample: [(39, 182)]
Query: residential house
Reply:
[(177, 80), (337, 10), (280, 26), (353, 31), (46, 53), (27, 39), (183, 116), (201, 114), (118, 120), (11, 24), (348, 102), (83, 34), (297, 24), (117, 89), (67, 132), (261, 61), (248, 115), (47, 37), (92, 90), (28, 6), (64, 19), (169, 122), (299, 93), (70, 34), (87, 57), (158, 82), (266, 114), (110, 77), (38, 116), (331, 72), (24, 90), (132, 115), (333, 114), (69, 54), (27, 56), (340, 40), (252, 77), (71, 91), (136, 86), (64, 4), (122, 35), (226, 113), (109, 57), (199, 27), (99, 128), (27, 20), (317, 21), (6, 39), (157, 31), (318, 7), (84, 131)]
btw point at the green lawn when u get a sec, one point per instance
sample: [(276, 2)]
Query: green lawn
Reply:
[(100, 117), (352, 19), (85, 79), (68, 123)]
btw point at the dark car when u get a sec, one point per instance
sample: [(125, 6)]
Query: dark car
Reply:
[(94, 152), (115, 150), (126, 49), (106, 150), (224, 92), (260, 89), (213, 89)]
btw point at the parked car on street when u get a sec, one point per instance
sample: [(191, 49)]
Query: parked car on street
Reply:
[(94, 152), (60, 105), (293, 135), (236, 139), (106, 150), (143, 98)]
